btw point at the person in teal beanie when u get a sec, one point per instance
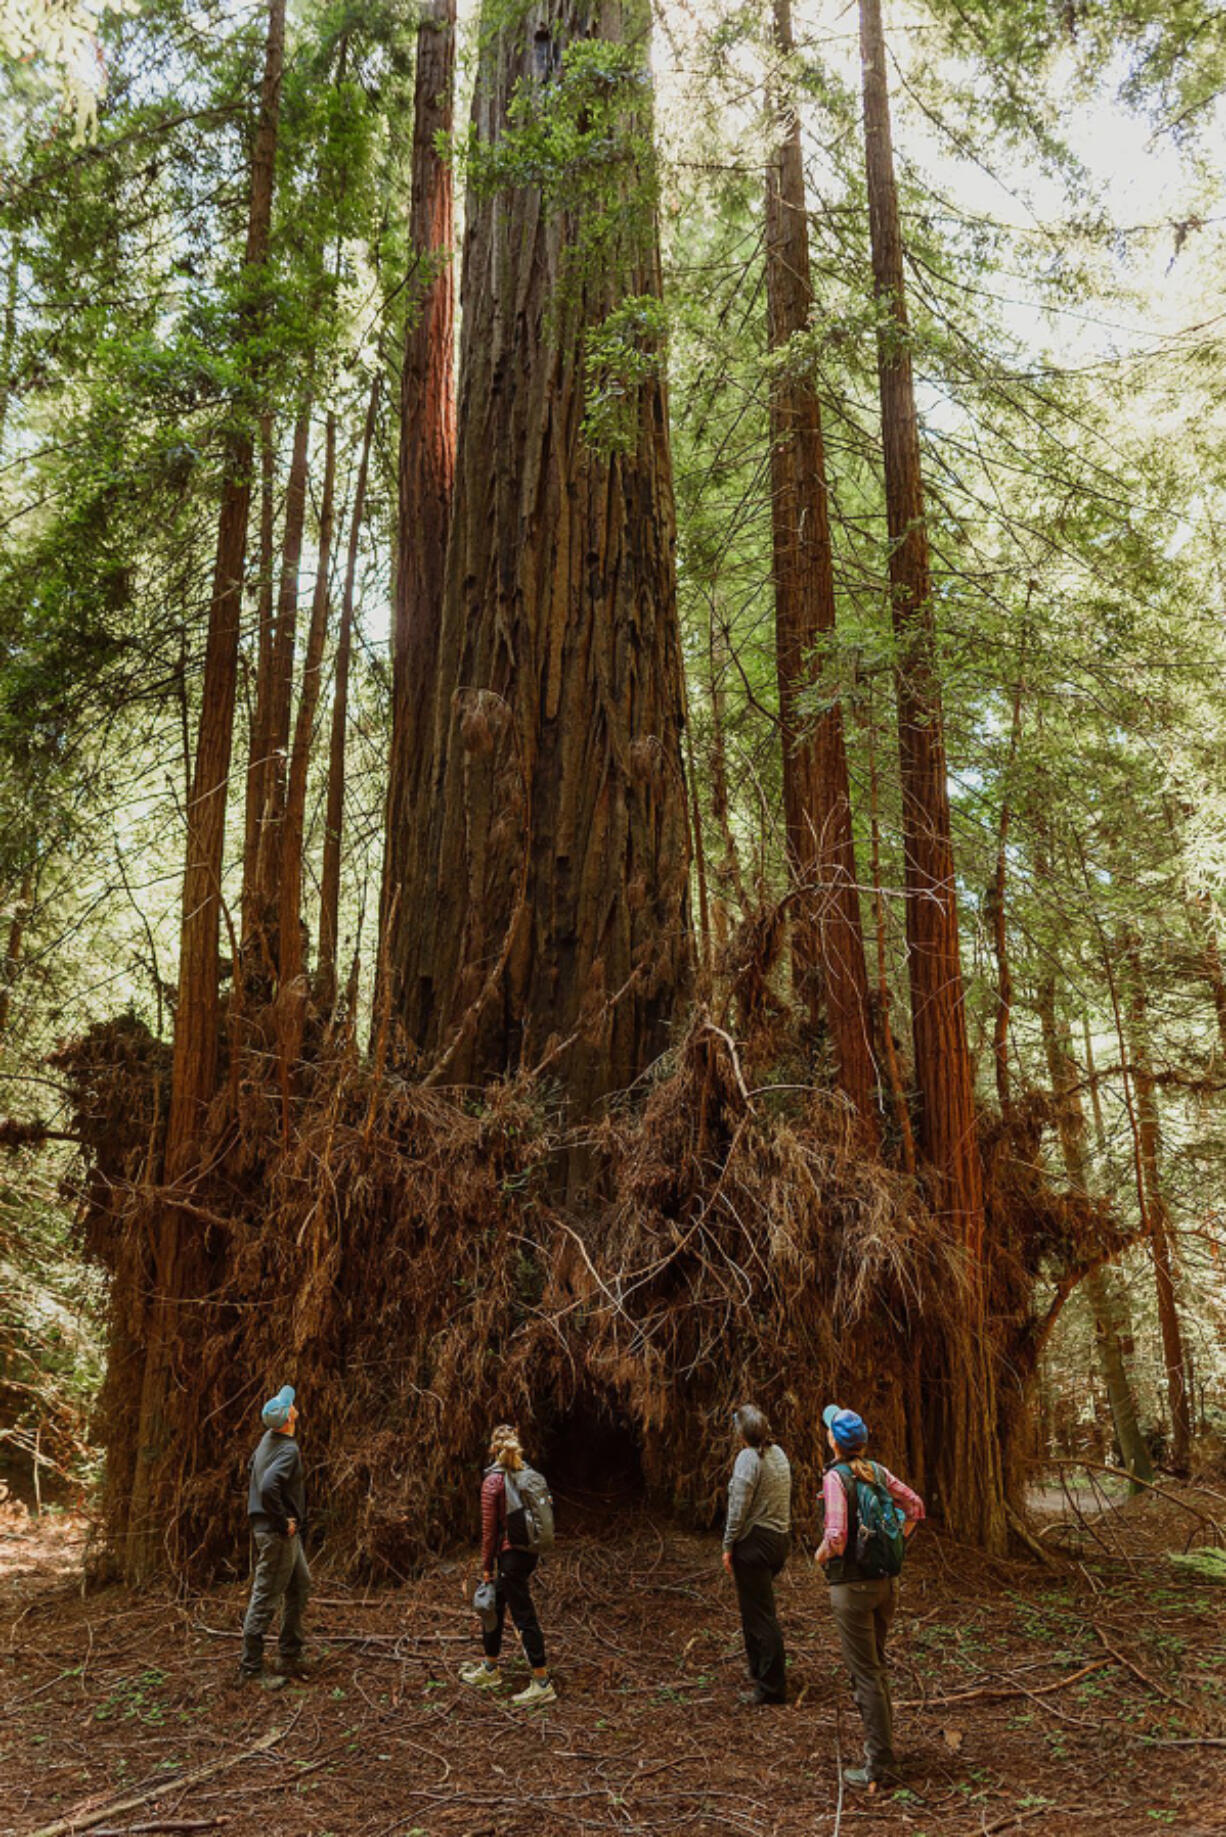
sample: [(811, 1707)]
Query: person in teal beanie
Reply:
[(276, 1512), (867, 1515)]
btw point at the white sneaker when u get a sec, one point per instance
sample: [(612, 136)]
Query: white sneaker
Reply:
[(540, 1690), (481, 1677)]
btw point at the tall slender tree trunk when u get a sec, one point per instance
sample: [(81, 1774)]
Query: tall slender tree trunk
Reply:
[(258, 712), (546, 893), (270, 740), (967, 1455), (8, 332), (729, 876), (828, 939), (12, 953), (998, 916), (290, 944), (885, 1000), (334, 819), (1063, 1072), (162, 1434), (942, 1060), (1148, 1131), (427, 482)]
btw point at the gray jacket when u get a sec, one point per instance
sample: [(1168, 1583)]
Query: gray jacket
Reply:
[(759, 1494)]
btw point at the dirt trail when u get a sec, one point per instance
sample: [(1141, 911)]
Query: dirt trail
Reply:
[(1014, 1712)]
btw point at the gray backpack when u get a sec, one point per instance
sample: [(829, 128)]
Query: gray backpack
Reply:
[(529, 1510)]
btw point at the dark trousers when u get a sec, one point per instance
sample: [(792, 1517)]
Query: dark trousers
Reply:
[(862, 1613), (756, 1561), (511, 1591), (283, 1580)]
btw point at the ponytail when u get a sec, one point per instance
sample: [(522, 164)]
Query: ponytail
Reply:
[(505, 1449)]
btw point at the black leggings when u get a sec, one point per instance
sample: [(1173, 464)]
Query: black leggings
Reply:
[(512, 1591)]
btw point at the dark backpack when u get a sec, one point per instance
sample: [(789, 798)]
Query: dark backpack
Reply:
[(877, 1523), (529, 1510)]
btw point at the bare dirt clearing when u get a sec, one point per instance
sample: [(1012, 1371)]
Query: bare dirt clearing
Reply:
[(1087, 1704)]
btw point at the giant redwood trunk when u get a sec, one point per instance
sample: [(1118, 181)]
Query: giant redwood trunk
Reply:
[(426, 477), (816, 797), (542, 908), (143, 1520), (966, 1454)]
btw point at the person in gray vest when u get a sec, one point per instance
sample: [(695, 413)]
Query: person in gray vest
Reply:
[(863, 1605), (757, 1538), (276, 1512)]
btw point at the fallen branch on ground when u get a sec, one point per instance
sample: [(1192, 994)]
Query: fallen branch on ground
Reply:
[(1137, 1672), (87, 1820), (1043, 1690)]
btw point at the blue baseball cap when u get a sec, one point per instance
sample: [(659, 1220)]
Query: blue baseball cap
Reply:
[(275, 1413), (848, 1429)]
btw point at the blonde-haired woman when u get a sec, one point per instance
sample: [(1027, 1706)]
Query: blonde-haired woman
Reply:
[(509, 1569)]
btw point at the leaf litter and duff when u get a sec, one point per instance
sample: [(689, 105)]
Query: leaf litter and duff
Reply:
[(1086, 1699)]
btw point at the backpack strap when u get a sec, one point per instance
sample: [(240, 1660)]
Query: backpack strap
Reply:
[(850, 1487)]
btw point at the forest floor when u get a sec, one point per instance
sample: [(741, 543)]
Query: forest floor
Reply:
[(1092, 1702)]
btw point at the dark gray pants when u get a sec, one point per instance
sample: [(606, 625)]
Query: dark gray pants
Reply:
[(756, 1561), (862, 1613), (281, 1576)]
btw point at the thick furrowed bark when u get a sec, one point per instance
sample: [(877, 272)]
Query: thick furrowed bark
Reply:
[(544, 898)]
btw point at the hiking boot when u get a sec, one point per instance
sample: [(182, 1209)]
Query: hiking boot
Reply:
[(296, 1668), (757, 1697), (246, 1680), (540, 1690), (481, 1677), (863, 1779)]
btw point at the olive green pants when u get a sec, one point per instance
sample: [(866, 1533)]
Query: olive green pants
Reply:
[(283, 1580), (862, 1613)]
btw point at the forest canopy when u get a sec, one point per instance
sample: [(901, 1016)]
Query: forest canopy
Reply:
[(611, 676)]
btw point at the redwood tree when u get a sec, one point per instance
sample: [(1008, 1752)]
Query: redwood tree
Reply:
[(266, 777), (427, 468), (542, 909), (176, 1252), (816, 797), (1070, 1116), (290, 943), (334, 817), (966, 1453)]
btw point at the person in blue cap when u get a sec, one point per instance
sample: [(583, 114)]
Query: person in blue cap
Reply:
[(276, 1512), (860, 1496)]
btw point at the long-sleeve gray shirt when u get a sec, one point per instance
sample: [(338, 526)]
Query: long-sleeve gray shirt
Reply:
[(759, 1494)]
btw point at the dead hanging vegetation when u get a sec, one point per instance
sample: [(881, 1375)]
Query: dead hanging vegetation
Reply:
[(401, 1255)]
